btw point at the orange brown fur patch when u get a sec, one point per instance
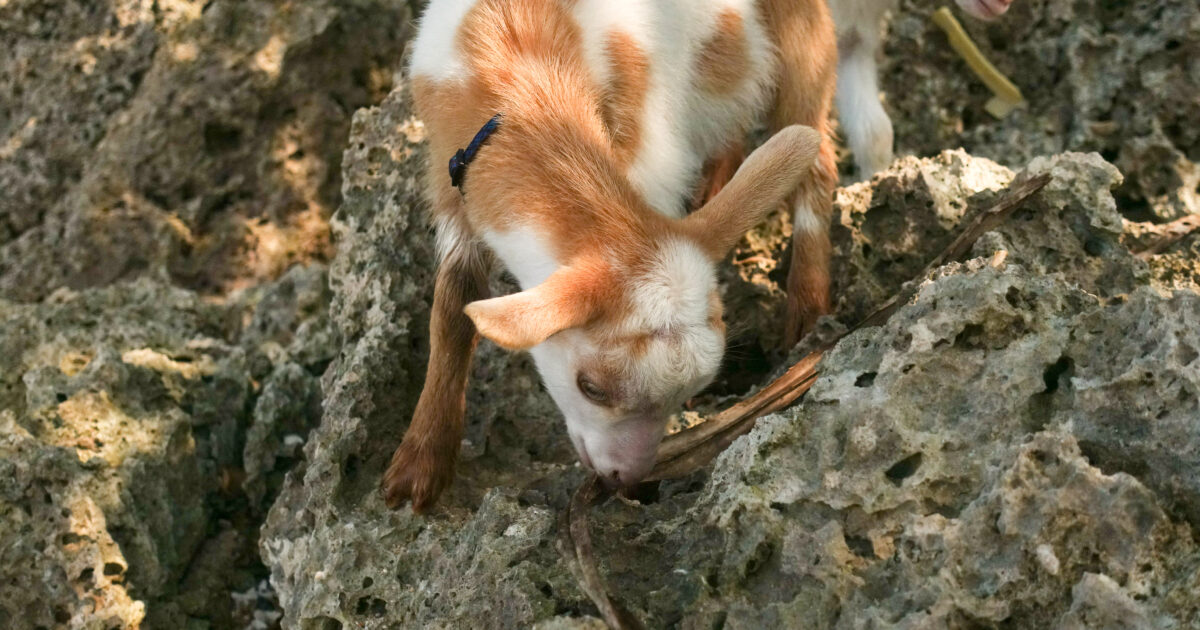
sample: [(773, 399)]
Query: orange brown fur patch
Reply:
[(626, 93), (724, 60)]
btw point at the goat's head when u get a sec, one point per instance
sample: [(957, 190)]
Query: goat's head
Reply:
[(621, 345)]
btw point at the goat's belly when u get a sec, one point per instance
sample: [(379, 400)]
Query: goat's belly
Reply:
[(707, 68)]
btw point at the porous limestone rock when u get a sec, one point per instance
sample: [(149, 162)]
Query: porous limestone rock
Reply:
[(188, 139), (1178, 266), (885, 232), (1014, 447), (124, 414)]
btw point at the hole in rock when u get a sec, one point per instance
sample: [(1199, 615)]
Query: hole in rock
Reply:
[(1054, 373), (904, 468), (862, 547)]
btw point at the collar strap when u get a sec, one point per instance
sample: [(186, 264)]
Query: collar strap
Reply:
[(463, 157)]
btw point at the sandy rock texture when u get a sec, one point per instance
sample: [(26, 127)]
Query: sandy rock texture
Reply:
[(1117, 78), (167, 171), (142, 432), (184, 139), (1014, 448)]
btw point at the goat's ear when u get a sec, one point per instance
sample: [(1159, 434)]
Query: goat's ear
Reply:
[(767, 177), (570, 297)]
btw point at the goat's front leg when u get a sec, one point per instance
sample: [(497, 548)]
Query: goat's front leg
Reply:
[(423, 466)]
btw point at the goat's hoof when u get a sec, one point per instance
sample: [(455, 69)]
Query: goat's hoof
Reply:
[(801, 319), (419, 475)]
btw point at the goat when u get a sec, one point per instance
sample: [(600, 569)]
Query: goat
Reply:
[(865, 124), (595, 119)]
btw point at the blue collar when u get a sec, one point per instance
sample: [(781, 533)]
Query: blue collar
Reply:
[(463, 157)]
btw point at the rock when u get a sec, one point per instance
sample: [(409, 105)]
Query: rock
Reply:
[(146, 429), (885, 232), (1175, 267), (1017, 446), (124, 421), (199, 141), (993, 455), (1113, 79), (1099, 602)]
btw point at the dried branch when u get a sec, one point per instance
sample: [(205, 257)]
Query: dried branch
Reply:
[(1160, 237)]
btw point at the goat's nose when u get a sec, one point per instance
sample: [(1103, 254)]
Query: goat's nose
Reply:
[(615, 478), (625, 473)]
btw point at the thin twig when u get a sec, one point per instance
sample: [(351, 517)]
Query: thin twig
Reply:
[(691, 449), (577, 546)]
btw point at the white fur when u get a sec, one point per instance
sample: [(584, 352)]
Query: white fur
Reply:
[(435, 53), (672, 301), (866, 125), (524, 253), (806, 221), (453, 239), (681, 124)]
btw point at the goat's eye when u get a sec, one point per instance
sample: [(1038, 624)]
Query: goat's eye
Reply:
[(591, 390)]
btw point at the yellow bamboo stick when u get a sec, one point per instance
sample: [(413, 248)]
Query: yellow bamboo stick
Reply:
[(1007, 96)]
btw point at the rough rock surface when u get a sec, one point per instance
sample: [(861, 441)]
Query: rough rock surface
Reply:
[(1016, 447), (129, 419), (194, 140), (339, 555), (183, 145), (1116, 78)]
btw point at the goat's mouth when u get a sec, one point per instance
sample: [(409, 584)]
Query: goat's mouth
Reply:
[(584, 458)]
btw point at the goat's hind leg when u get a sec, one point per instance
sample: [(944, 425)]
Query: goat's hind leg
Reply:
[(804, 35), (423, 466)]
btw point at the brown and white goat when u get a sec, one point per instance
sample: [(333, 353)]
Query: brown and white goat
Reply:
[(608, 111), (867, 127)]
